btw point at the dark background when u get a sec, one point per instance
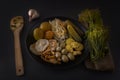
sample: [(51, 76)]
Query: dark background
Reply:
[(68, 8)]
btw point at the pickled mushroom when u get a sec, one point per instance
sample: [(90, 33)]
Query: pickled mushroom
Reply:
[(53, 44), (41, 45)]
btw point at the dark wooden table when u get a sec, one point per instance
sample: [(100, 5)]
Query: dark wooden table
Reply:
[(68, 8)]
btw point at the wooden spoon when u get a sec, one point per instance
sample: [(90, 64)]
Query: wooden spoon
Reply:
[(16, 25)]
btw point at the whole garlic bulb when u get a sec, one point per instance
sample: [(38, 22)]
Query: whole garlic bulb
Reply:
[(33, 14)]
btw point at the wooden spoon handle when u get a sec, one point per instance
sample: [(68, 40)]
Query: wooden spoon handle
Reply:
[(18, 55)]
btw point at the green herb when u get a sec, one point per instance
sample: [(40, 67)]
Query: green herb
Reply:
[(96, 34)]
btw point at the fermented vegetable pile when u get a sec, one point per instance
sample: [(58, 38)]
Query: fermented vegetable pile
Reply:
[(57, 41)]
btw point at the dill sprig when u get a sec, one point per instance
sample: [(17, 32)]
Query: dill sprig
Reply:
[(96, 33)]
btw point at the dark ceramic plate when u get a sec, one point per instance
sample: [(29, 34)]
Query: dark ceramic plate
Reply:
[(30, 40)]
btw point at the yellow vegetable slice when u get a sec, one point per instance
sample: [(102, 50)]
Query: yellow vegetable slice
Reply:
[(69, 40), (69, 48), (45, 26), (38, 34)]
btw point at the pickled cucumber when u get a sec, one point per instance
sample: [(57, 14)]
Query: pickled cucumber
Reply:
[(78, 30), (73, 33)]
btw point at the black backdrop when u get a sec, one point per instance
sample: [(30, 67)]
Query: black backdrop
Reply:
[(68, 8)]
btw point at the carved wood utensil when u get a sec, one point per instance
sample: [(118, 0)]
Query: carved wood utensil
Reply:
[(16, 25)]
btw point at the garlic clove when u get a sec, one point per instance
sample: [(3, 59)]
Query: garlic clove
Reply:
[(33, 14)]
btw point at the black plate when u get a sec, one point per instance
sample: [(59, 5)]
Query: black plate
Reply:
[(30, 40)]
